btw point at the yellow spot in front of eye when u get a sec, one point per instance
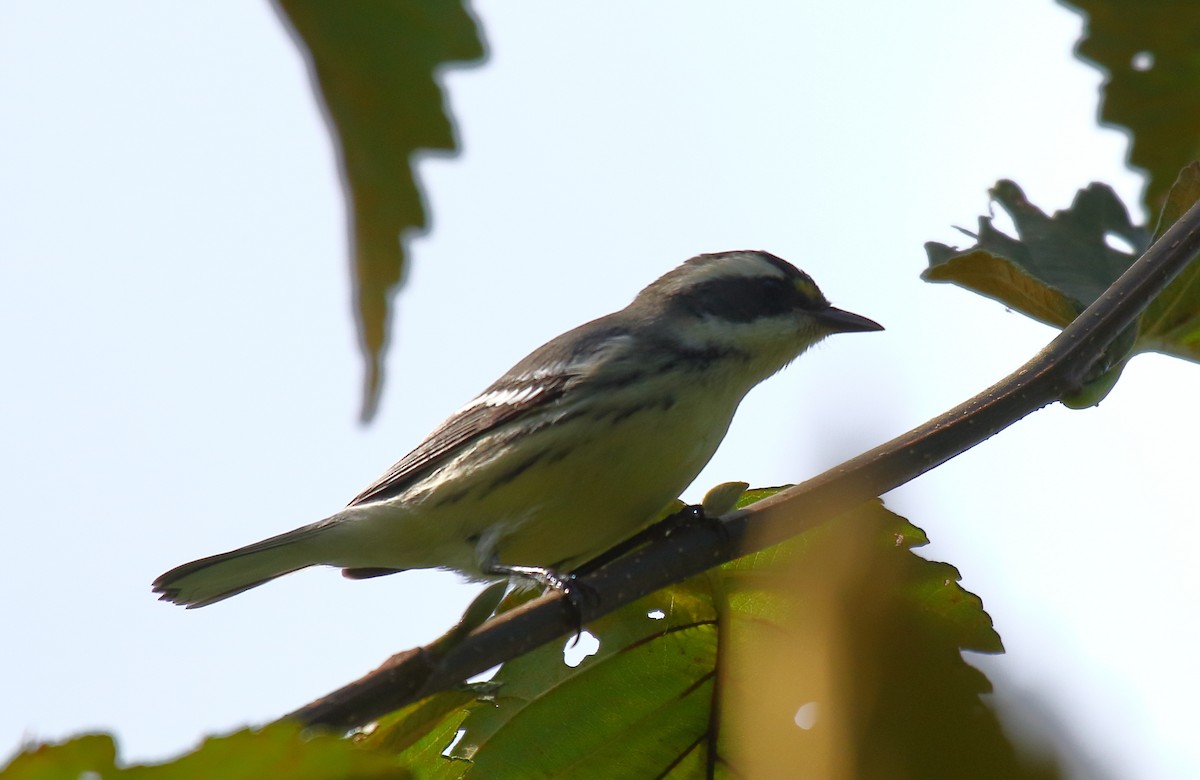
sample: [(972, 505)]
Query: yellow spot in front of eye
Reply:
[(806, 287)]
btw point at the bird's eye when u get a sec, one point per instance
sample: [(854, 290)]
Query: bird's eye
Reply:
[(776, 295)]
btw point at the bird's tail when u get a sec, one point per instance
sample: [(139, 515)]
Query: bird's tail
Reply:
[(217, 577)]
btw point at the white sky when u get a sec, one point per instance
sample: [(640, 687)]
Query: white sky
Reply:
[(181, 376)]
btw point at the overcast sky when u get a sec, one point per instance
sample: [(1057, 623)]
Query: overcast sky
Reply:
[(181, 375)]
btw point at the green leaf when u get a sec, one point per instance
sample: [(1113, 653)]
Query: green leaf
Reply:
[(1171, 323), (1056, 266), (1092, 393), (710, 674), (420, 733), (723, 498), (375, 62), (549, 718), (279, 750), (67, 760), (1147, 51)]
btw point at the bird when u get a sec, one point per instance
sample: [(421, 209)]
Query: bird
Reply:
[(581, 445)]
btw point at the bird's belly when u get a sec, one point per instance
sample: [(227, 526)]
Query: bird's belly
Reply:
[(550, 499), (587, 496)]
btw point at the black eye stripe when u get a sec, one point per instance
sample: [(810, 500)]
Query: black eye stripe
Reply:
[(744, 299)]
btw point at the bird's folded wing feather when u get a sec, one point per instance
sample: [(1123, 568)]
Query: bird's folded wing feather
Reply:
[(534, 384), (499, 405)]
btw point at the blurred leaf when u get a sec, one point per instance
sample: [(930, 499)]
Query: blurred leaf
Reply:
[(712, 673), (66, 760), (844, 660), (375, 62), (279, 750), (1147, 51)]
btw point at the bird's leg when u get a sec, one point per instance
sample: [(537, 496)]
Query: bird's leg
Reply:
[(550, 578), (574, 593)]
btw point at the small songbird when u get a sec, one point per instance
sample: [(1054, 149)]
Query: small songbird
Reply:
[(579, 446)]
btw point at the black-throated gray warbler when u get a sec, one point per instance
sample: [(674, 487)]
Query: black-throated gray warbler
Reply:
[(579, 446)]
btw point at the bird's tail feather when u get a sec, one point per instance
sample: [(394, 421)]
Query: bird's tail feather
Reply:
[(217, 577)]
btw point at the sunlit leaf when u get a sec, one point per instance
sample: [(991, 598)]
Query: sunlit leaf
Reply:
[(712, 674), (548, 716), (419, 734)]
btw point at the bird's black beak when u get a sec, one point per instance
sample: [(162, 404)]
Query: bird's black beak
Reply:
[(841, 321)]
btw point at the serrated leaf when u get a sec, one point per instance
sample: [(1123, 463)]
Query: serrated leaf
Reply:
[(1147, 51), (64, 760), (375, 63), (708, 675), (528, 726), (1055, 266)]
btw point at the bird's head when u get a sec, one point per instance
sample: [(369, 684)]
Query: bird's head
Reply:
[(744, 303)]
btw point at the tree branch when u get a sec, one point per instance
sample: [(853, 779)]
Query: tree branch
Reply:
[(1061, 368)]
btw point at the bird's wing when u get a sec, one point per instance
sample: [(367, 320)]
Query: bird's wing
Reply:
[(533, 385), (499, 405)]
